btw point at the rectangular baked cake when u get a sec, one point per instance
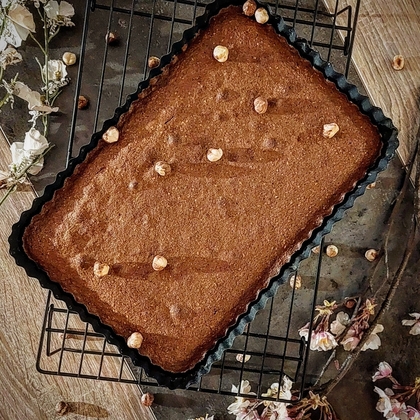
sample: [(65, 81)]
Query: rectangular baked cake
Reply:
[(203, 190)]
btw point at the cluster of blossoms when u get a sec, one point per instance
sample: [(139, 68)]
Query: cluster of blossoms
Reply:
[(251, 408), (393, 401), (344, 330), (16, 24)]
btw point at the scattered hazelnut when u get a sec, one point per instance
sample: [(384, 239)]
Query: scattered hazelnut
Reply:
[(316, 249), (295, 281), (241, 358), (82, 102), (398, 62), (249, 7), (159, 263), (330, 130), (350, 303), (221, 53), (61, 408), (260, 105), (213, 155), (153, 62), (100, 269), (371, 254), (331, 251), (370, 186), (112, 38), (147, 399), (69, 58), (261, 15), (135, 340), (162, 168), (111, 135)]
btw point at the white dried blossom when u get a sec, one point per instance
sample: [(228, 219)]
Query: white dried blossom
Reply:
[(8, 57), (373, 342), (58, 14), (413, 323), (16, 23), (34, 99), (56, 71), (25, 155)]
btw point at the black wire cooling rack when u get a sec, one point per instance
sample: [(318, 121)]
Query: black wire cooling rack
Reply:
[(70, 347)]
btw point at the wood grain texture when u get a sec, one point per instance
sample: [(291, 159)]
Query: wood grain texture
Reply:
[(24, 392), (385, 29)]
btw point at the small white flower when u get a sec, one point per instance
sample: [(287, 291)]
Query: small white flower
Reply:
[(33, 98), (323, 341), (373, 342), (17, 24), (241, 404), (413, 323), (57, 71), (59, 13), (339, 324), (9, 57), (26, 154), (35, 143)]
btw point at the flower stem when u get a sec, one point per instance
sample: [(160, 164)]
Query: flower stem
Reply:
[(37, 42), (9, 191)]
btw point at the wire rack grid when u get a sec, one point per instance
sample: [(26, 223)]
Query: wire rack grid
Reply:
[(70, 347)]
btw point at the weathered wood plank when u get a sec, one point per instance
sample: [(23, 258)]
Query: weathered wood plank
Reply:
[(385, 29)]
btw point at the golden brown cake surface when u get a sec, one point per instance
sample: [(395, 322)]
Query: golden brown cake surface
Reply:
[(224, 227)]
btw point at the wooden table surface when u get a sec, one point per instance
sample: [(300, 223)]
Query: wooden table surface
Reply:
[(385, 28)]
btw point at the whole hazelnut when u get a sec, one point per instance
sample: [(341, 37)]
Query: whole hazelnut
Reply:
[(221, 53), (82, 102), (295, 281), (61, 408), (331, 251), (213, 155), (316, 249), (162, 168), (261, 105), (112, 38), (261, 15), (100, 269), (111, 135), (330, 130), (350, 303), (135, 340), (159, 263), (69, 58), (153, 62), (371, 254), (249, 8), (147, 399), (398, 62)]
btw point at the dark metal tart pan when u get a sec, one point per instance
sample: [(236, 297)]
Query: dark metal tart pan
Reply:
[(181, 380)]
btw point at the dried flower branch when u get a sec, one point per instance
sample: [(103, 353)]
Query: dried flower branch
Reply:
[(16, 24)]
